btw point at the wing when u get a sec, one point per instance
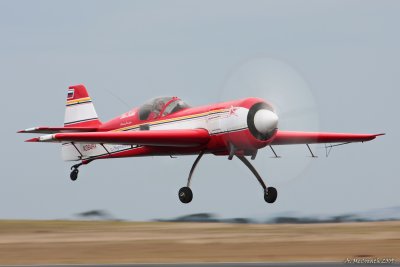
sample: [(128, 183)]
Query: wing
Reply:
[(51, 130), (179, 138), (291, 138)]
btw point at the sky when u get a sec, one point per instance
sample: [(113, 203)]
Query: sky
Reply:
[(337, 59)]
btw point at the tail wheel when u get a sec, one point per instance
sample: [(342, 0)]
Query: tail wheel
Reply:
[(74, 174)]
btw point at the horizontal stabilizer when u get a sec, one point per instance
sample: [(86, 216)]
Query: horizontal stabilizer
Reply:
[(180, 138), (291, 138), (52, 130)]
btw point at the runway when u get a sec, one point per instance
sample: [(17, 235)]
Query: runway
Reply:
[(81, 243), (291, 264)]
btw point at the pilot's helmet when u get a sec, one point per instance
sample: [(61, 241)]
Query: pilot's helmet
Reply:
[(158, 105)]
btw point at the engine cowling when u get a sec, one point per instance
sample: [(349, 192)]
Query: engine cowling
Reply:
[(256, 122), (262, 121)]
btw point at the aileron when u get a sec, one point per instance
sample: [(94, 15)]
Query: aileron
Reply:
[(294, 137)]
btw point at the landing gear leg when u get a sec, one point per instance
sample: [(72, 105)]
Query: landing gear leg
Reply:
[(185, 193), (270, 193)]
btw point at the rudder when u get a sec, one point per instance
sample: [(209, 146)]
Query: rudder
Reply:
[(80, 111)]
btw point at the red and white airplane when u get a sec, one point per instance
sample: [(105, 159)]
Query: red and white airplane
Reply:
[(167, 126)]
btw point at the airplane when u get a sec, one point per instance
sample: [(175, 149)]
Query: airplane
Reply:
[(167, 126)]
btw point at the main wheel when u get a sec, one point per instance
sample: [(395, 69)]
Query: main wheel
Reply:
[(74, 174), (270, 195), (185, 195)]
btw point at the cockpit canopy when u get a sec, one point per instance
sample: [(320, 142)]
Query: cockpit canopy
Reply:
[(160, 107)]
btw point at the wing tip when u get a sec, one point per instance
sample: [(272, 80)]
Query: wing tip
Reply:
[(374, 136), (379, 134)]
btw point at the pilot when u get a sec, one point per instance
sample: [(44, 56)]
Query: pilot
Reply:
[(156, 110)]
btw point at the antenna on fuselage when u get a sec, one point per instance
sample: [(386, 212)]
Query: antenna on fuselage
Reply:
[(118, 98)]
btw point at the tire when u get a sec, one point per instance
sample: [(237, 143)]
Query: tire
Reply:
[(271, 195), (185, 195), (74, 175)]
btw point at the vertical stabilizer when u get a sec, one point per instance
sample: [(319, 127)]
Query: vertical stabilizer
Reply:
[(80, 110)]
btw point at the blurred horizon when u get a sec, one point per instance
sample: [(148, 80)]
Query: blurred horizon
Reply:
[(291, 217)]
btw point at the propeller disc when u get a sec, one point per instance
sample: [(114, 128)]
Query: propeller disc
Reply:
[(282, 86)]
